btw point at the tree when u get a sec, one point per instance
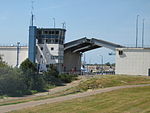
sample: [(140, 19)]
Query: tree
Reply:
[(107, 64), (32, 78), (11, 82), (27, 65), (2, 63)]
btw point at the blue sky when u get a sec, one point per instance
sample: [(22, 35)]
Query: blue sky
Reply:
[(110, 20)]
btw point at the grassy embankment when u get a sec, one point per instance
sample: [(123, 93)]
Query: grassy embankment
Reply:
[(131, 100), (92, 83)]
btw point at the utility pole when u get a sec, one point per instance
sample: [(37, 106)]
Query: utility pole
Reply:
[(137, 19), (18, 49), (101, 62), (143, 34)]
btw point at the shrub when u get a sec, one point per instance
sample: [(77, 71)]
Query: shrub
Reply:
[(11, 82), (67, 78), (33, 80)]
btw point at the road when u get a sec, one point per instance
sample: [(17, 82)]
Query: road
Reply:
[(9, 108)]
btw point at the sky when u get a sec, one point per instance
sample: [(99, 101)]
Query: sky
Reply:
[(110, 20)]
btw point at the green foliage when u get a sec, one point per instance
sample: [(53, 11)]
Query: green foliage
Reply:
[(27, 66), (110, 81), (107, 64), (32, 78), (51, 76), (26, 79), (129, 100), (52, 71), (11, 82), (2, 63), (67, 78)]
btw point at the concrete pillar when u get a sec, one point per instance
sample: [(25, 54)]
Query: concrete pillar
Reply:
[(72, 62)]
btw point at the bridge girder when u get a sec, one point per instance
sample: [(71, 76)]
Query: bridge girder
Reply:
[(85, 44)]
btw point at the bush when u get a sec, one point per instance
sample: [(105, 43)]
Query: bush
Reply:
[(28, 65), (66, 78), (11, 82), (33, 80)]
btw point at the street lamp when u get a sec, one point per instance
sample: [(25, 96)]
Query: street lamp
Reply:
[(101, 62), (18, 49)]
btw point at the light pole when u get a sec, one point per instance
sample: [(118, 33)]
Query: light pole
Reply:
[(18, 49), (101, 62), (137, 19)]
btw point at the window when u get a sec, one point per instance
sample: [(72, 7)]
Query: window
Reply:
[(54, 57), (42, 48), (46, 40), (47, 66), (120, 52), (39, 32), (56, 41), (57, 57), (40, 41), (57, 32), (46, 32), (52, 48), (50, 32)]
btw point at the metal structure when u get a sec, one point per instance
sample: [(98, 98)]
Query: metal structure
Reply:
[(85, 44), (74, 49), (18, 49)]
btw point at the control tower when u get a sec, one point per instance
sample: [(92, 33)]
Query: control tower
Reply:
[(46, 46)]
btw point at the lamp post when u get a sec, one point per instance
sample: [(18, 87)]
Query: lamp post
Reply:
[(137, 19), (18, 49), (101, 62)]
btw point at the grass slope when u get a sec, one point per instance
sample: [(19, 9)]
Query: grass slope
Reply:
[(110, 81), (92, 83), (131, 100)]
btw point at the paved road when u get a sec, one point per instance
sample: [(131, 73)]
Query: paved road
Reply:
[(8, 108)]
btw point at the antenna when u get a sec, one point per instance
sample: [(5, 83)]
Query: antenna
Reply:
[(143, 34), (137, 30), (32, 15), (64, 25), (54, 22)]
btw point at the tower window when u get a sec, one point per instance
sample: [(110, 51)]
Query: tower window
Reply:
[(46, 32), (52, 48), (57, 32), (56, 41), (41, 48), (120, 52), (39, 32), (50, 32)]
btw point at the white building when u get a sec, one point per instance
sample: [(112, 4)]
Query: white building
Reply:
[(9, 54), (133, 61)]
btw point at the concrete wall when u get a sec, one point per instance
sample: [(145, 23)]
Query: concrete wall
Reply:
[(133, 61), (72, 62), (49, 54), (9, 55)]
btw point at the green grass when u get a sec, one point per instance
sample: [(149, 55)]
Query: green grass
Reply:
[(131, 100), (92, 83), (110, 81)]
